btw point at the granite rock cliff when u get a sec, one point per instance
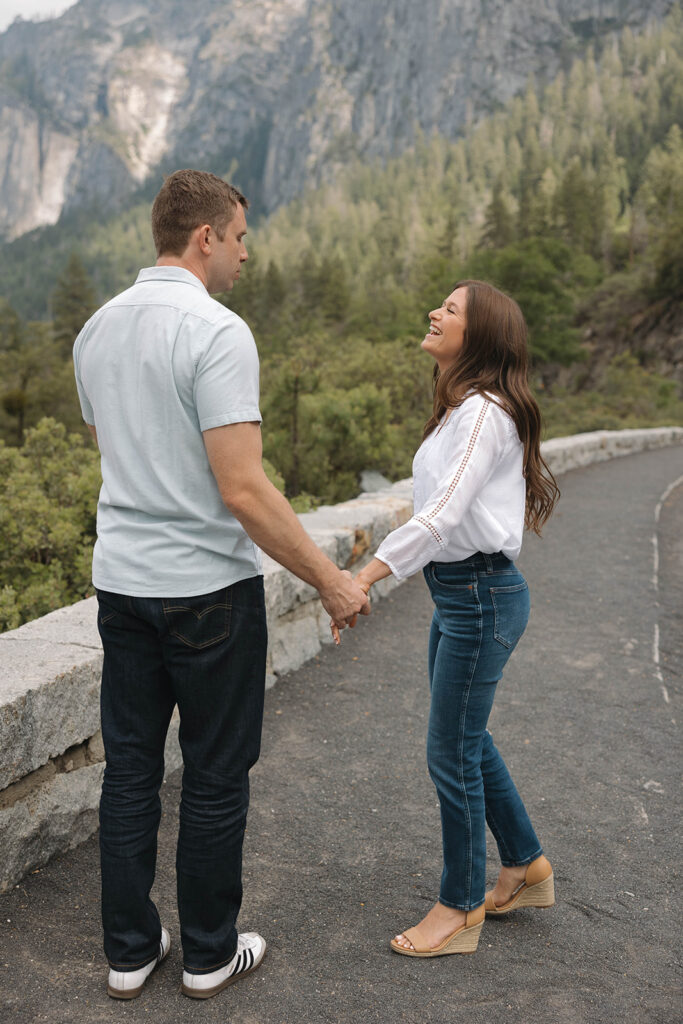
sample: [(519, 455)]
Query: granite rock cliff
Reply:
[(277, 93)]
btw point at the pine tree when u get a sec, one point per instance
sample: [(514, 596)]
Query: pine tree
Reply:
[(499, 222), (661, 199), (10, 327), (73, 302), (27, 371), (580, 207)]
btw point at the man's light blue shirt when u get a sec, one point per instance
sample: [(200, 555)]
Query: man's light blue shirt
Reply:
[(155, 367)]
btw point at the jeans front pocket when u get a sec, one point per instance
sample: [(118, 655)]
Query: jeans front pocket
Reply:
[(201, 621), (449, 577), (510, 613), (110, 608)]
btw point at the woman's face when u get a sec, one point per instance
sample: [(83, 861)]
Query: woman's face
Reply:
[(447, 329)]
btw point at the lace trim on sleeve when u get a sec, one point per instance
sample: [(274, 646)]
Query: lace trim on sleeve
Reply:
[(434, 531), (424, 520)]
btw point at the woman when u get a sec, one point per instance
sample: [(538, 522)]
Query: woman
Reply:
[(479, 479)]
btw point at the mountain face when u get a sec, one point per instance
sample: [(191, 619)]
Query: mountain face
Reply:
[(276, 93)]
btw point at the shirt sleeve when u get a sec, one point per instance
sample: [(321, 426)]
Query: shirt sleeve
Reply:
[(87, 410), (226, 385), (478, 440)]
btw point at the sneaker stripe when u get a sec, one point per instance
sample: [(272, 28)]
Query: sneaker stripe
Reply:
[(250, 961)]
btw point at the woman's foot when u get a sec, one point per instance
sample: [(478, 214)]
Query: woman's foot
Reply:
[(509, 880), (531, 885), (439, 923)]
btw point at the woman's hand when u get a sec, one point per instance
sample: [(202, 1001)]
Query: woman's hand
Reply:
[(375, 570)]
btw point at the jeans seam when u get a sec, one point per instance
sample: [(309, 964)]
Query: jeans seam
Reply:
[(461, 742), (199, 615), (498, 835)]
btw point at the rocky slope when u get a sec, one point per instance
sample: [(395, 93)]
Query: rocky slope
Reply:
[(652, 332), (277, 93)]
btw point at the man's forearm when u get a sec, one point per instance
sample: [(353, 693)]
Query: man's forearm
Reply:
[(235, 456), (270, 521)]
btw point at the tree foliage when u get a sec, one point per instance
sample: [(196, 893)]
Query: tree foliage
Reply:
[(73, 302), (48, 501), (570, 198), (627, 396), (660, 198)]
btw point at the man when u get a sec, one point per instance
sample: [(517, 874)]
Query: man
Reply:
[(168, 383)]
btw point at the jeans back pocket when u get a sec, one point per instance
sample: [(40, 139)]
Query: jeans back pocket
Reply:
[(510, 613), (201, 621)]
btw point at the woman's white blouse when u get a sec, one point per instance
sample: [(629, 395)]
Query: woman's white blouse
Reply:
[(468, 492)]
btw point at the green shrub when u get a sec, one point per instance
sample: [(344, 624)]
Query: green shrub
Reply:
[(48, 503)]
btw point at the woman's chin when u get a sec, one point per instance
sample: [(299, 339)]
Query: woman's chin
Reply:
[(427, 345)]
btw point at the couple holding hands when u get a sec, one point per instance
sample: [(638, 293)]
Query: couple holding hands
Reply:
[(168, 383)]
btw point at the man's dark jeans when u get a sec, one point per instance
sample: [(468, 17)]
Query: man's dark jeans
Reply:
[(207, 655)]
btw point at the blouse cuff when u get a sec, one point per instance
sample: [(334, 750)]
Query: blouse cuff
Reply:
[(409, 548)]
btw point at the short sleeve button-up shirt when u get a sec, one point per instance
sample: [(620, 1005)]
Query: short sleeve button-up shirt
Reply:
[(155, 367)]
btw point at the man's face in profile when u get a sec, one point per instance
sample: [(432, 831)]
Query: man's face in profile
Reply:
[(229, 255)]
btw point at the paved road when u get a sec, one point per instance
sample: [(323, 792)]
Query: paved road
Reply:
[(343, 841)]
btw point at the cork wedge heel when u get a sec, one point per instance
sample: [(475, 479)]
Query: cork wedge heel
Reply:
[(463, 940), (537, 890)]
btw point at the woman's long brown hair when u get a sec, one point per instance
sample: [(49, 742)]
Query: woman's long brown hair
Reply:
[(493, 362)]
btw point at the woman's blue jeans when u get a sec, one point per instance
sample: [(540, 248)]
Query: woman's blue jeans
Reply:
[(207, 655), (482, 608)]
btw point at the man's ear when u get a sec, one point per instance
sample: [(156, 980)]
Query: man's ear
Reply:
[(203, 234)]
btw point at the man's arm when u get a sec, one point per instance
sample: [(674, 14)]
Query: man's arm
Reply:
[(235, 453), (93, 432)]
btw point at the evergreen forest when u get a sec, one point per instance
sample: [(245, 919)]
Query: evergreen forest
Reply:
[(570, 198)]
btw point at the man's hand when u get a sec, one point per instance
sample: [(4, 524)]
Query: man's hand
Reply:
[(374, 571), (336, 625), (343, 599)]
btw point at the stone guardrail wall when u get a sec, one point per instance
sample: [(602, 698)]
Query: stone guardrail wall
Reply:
[(52, 759)]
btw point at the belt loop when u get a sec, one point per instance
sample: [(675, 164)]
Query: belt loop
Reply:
[(489, 563)]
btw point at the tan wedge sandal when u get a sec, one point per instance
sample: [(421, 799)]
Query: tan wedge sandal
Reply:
[(537, 890), (464, 939)]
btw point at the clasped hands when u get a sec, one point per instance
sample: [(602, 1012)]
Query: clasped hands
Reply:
[(349, 605), (348, 598)]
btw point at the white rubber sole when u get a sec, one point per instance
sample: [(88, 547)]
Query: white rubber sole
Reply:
[(223, 979)]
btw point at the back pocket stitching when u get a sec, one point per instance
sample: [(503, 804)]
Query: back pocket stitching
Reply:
[(504, 590), (199, 615)]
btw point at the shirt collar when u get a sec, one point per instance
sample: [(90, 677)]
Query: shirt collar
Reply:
[(177, 274)]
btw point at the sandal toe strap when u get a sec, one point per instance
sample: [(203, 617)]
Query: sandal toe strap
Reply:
[(417, 940)]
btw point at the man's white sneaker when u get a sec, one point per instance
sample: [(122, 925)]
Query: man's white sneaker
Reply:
[(129, 984), (251, 948)]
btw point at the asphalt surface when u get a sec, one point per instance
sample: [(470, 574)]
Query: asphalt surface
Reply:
[(343, 845)]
